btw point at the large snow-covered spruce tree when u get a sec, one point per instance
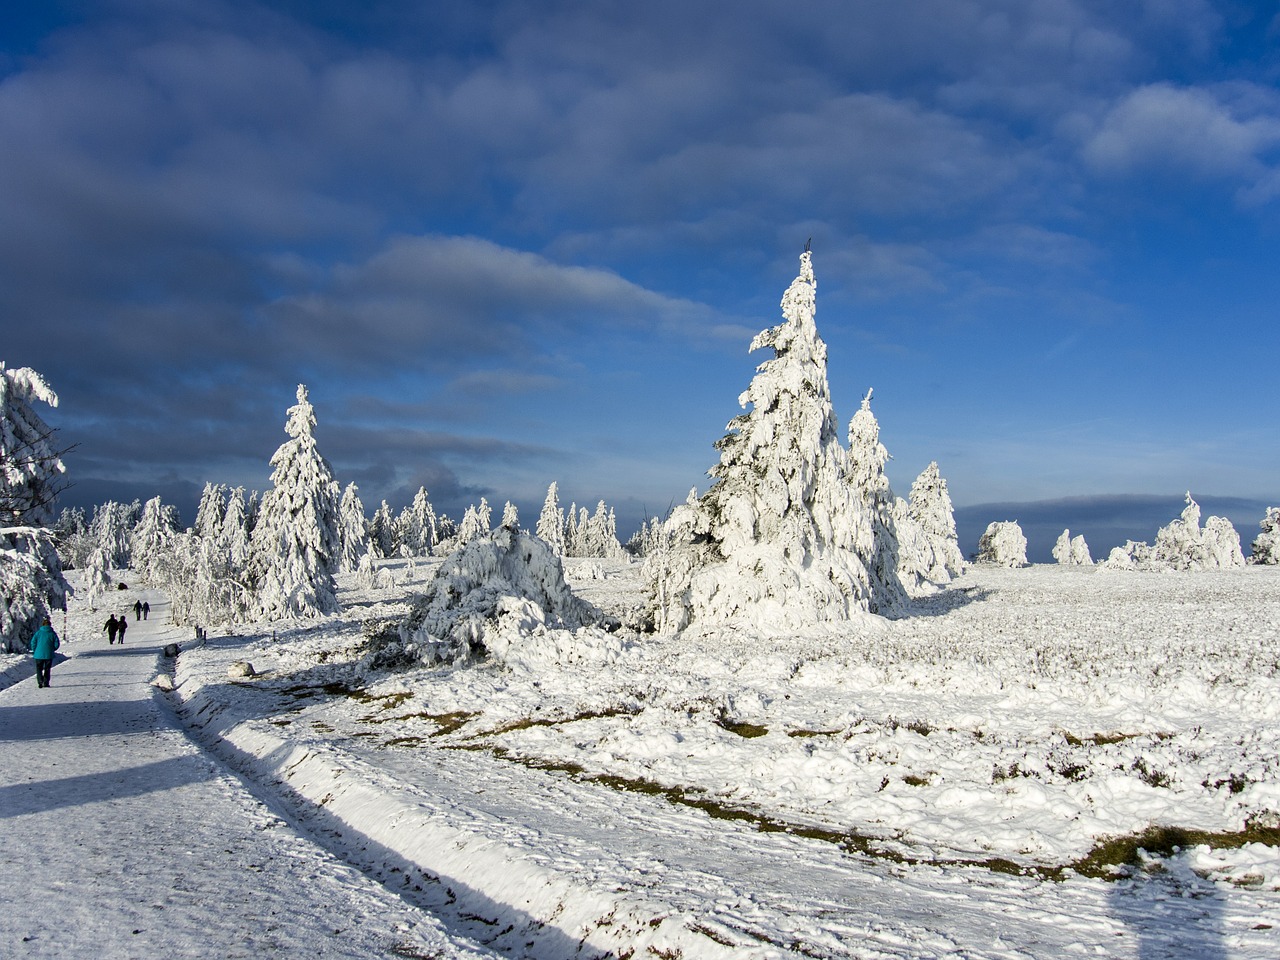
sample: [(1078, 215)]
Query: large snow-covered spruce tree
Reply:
[(31, 581), (296, 542), (779, 538)]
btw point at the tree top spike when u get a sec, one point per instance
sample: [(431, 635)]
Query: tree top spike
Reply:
[(807, 243)]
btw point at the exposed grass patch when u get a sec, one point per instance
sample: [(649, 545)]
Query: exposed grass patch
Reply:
[(748, 731), (528, 723), (1114, 853)]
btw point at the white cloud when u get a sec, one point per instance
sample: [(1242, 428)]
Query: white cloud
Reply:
[(1227, 132)]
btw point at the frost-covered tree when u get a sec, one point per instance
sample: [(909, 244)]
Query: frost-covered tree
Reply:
[(488, 598), (1072, 551), (1183, 545), (212, 510), (510, 516), (1266, 546), (382, 532), (597, 535), (1002, 543), (296, 542), (203, 584), (112, 530), (475, 523), (354, 530), (891, 574), (778, 538), (416, 527), (234, 535), (930, 507), (71, 535), (97, 575), (551, 521), (152, 535), (31, 581)]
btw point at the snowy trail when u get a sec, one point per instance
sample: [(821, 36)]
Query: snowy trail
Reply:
[(120, 838)]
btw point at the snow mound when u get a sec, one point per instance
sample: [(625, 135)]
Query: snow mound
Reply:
[(1183, 545), (502, 595), (1003, 544), (1266, 548)]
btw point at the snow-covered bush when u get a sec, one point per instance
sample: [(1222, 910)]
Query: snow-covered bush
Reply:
[(1072, 551), (1183, 545), (296, 542), (780, 537), (496, 592), (1003, 544), (1266, 547)]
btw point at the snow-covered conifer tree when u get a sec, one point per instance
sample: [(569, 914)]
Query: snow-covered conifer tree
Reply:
[(296, 542), (510, 517), (354, 529), (112, 530), (234, 535), (212, 510), (1266, 546), (867, 457), (97, 575), (1002, 543), (930, 508), (416, 527), (475, 523), (31, 581), (153, 534), (551, 521), (382, 532), (778, 538)]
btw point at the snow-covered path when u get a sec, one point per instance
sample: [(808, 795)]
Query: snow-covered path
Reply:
[(120, 838)]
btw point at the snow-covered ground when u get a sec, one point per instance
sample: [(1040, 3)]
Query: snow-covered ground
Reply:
[(936, 786), (942, 785)]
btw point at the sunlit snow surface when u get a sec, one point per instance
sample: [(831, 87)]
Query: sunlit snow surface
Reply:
[(903, 788)]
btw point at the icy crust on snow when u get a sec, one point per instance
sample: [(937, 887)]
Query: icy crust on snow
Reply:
[(503, 595), (1183, 545), (1003, 544)]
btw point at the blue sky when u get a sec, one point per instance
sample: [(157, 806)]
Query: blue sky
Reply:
[(510, 243)]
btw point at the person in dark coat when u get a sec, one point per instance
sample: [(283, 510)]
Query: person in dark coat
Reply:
[(137, 610), (43, 644), (122, 625), (146, 609), (112, 627)]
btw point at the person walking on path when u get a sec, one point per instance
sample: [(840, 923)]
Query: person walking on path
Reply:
[(112, 627), (146, 609), (122, 625), (137, 610), (43, 644)]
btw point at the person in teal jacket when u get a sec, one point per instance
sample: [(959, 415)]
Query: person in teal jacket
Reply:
[(43, 643)]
